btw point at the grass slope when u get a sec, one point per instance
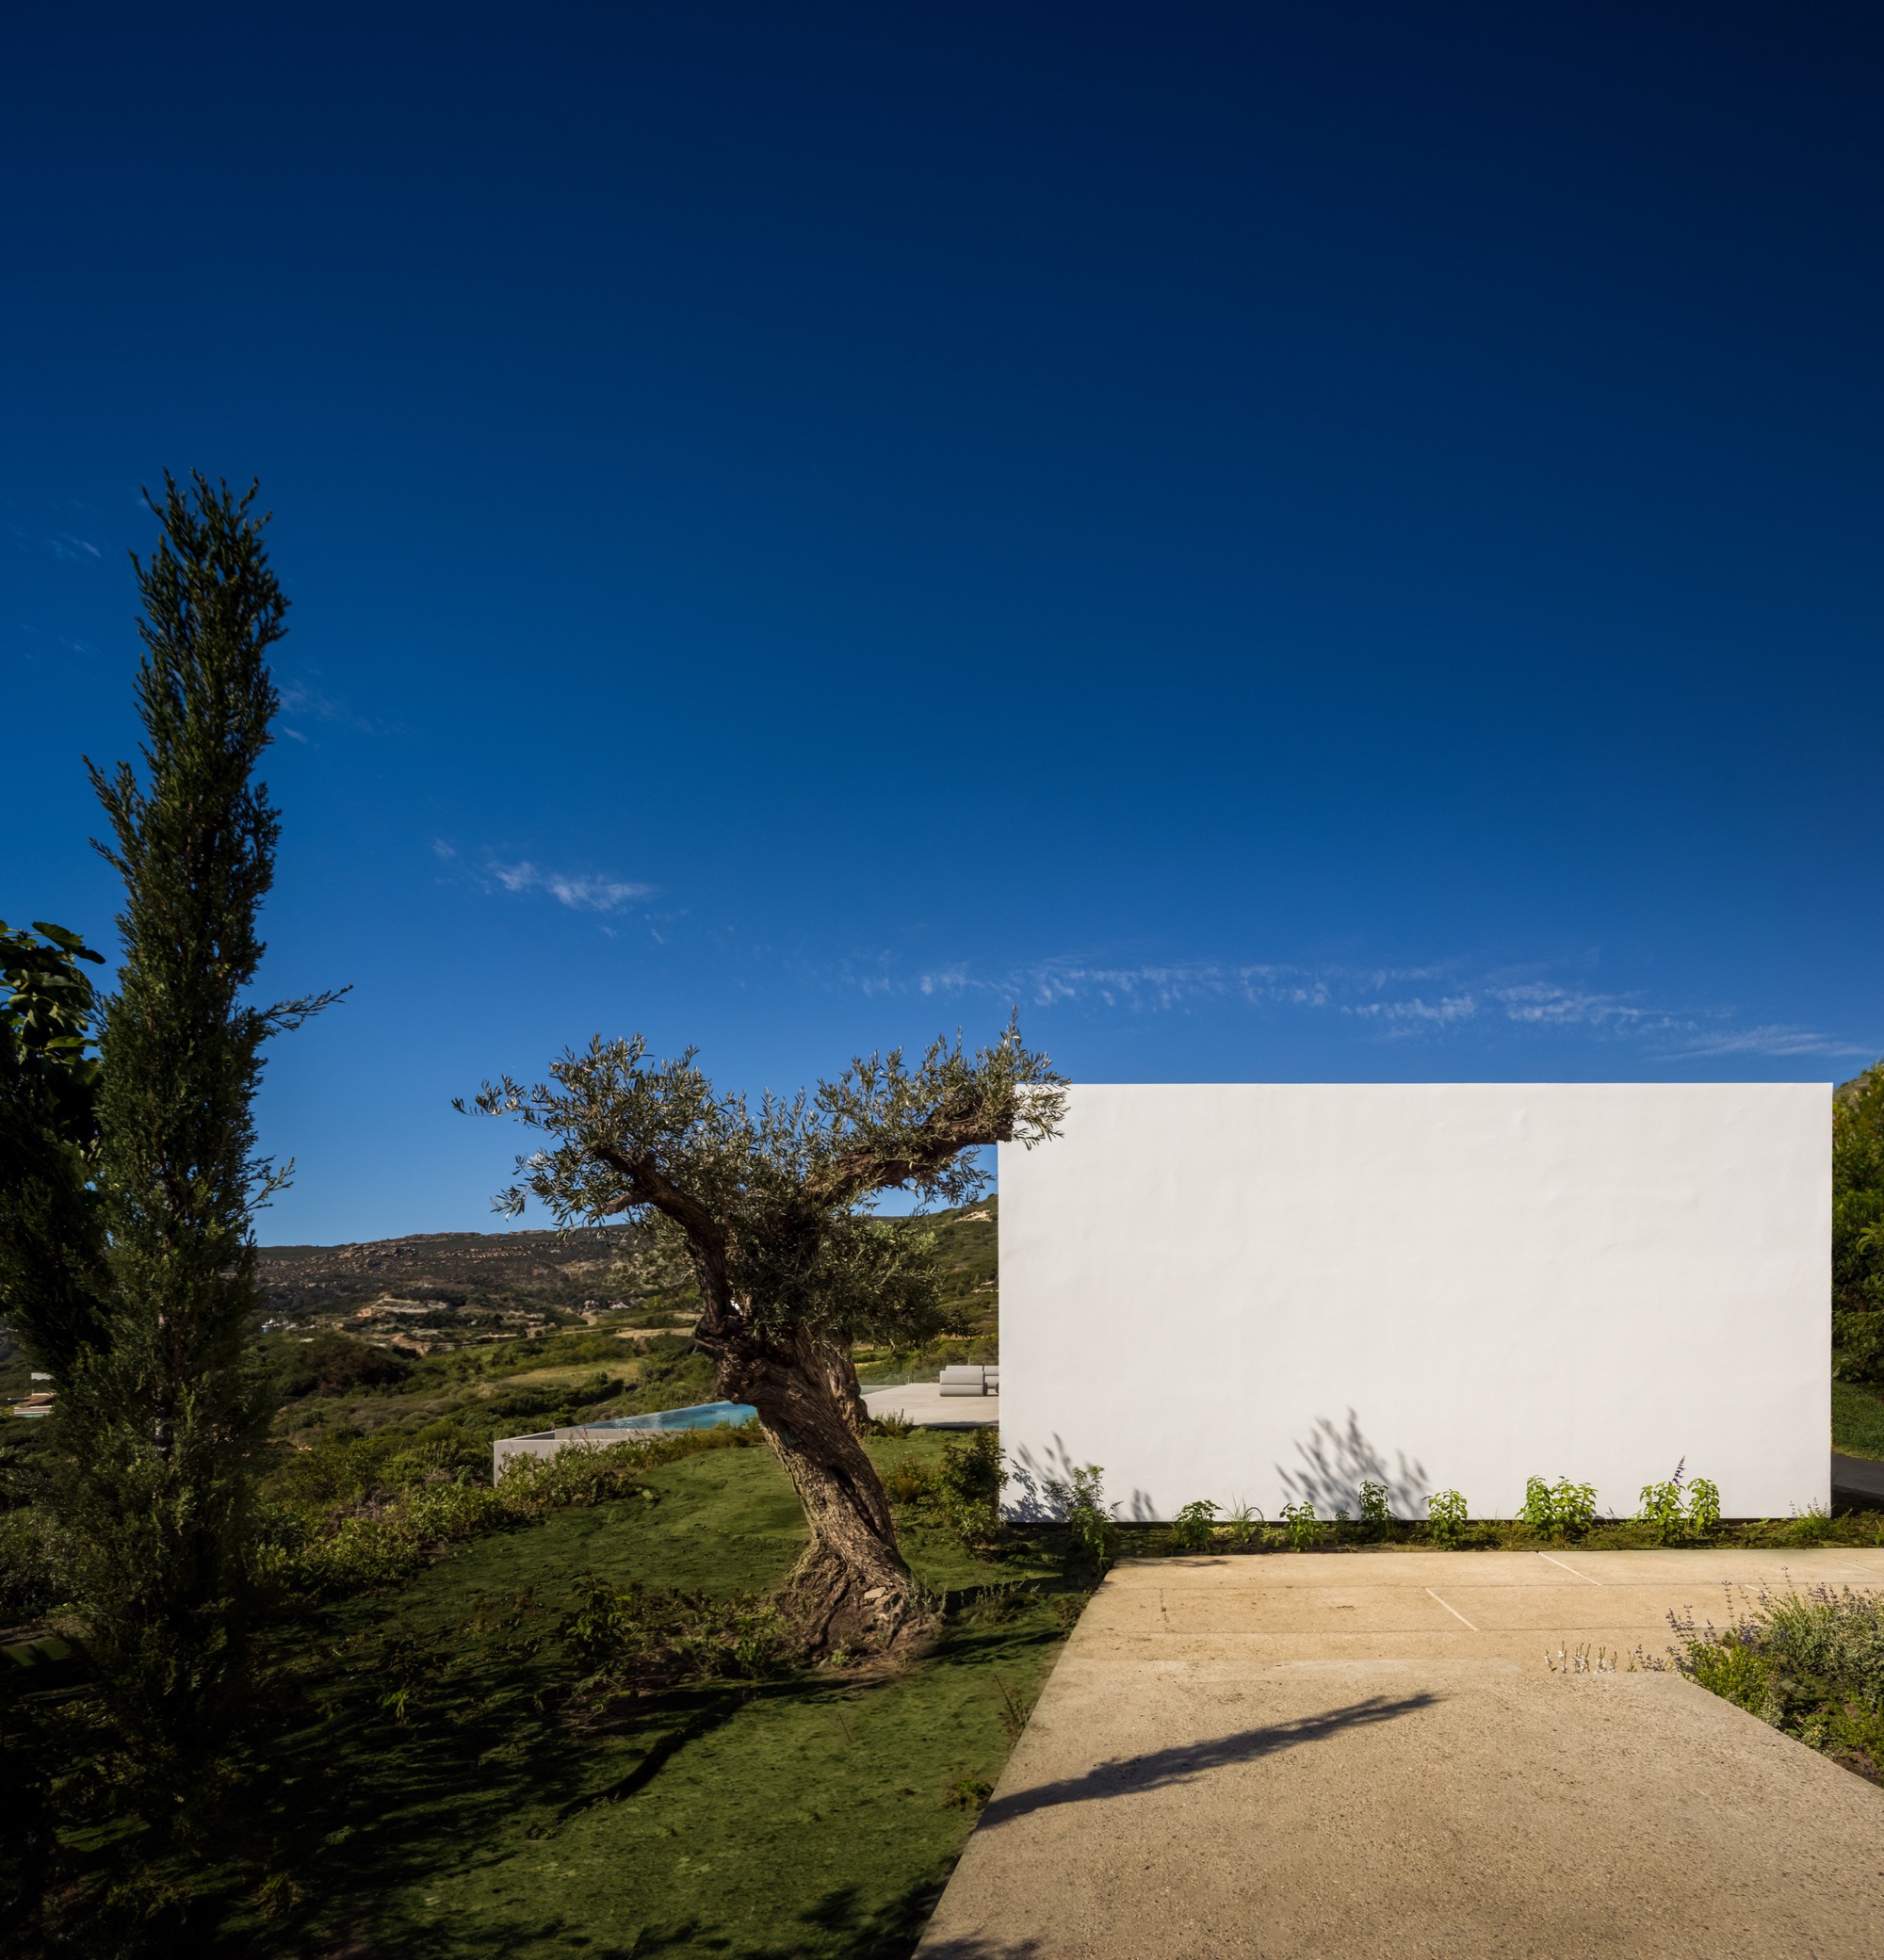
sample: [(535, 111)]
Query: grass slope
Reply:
[(1857, 1419), (453, 1811)]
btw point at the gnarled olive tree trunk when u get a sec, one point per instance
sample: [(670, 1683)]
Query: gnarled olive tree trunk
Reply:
[(840, 1375), (850, 1588)]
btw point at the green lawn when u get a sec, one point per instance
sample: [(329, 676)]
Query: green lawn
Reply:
[(1857, 1419), (805, 1817)]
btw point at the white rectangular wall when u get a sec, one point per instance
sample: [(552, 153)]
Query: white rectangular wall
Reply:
[(1270, 1292)]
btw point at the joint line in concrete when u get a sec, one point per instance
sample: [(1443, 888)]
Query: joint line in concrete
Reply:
[(1456, 1614), (1571, 1569)]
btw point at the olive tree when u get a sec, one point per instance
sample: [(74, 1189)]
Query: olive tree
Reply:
[(772, 1205)]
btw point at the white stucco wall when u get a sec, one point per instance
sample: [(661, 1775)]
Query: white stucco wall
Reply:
[(1266, 1291)]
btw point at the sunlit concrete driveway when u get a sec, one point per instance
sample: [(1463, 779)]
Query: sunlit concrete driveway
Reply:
[(1367, 1754)]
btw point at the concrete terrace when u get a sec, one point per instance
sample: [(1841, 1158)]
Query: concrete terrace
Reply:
[(924, 1403), (1367, 1757)]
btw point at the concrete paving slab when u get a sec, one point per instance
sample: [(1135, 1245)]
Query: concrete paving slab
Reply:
[(1367, 1755), (923, 1402)]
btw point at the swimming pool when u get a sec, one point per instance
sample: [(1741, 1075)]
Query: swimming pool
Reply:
[(704, 1415)]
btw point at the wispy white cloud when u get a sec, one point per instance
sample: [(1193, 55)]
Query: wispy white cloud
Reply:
[(61, 545), (1775, 1040), (1400, 1003), (585, 891), (302, 698)]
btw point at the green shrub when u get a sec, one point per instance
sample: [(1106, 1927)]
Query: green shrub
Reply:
[(30, 1584), (635, 1639), (339, 1466), (340, 1523), (908, 1481), (1092, 1530), (1674, 1514), (1303, 1527), (1446, 1516), (335, 1364), (533, 1487), (1376, 1512), (1194, 1528), (967, 1488), (1858, 1346), (1811, 1664), (1560, 1510)]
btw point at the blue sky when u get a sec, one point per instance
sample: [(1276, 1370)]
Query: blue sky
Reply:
[(1331, 542)]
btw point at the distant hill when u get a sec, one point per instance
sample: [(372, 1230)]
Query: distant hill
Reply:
[(441, 1289)]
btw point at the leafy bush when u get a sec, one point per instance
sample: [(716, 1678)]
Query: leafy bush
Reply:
[(1811, 1664), (1560, 1510), (334, 1364), (968, 1486), (339, 1466), (533, 1487), (353, 1513), (1858, 1224), (1092, 1530), (1858, 1346), (1302, 1526), (527, 1399), (1675, 1513), (1194, 1528), (25, 1461), (634, 1640), (30, 1584), (908, 1481), (1376, 1512), (1446, 1516)]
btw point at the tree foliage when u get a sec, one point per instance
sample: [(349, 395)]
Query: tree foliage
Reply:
[(771, 1202), (1858, 1227), (51, 1224)]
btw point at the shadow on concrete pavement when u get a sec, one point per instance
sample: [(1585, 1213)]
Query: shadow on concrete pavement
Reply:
[(1159, 1768)]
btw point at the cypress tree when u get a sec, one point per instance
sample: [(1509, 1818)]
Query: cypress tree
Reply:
[(161, 1410)]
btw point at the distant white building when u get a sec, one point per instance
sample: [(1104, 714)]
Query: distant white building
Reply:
[(1271, 1292)]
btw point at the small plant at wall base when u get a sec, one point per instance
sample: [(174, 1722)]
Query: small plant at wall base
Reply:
[(1304, 1529), (1674, 1513), (1560, 1510), (1091, 1531), (1376, 1513), (1446, 1516), (1194, 1528)]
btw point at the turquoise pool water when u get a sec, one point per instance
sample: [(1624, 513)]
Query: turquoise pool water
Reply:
[(702, 1415)]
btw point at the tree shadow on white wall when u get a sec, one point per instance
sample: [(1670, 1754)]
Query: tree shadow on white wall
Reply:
[(1335, 1462), (1039, 1483)]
